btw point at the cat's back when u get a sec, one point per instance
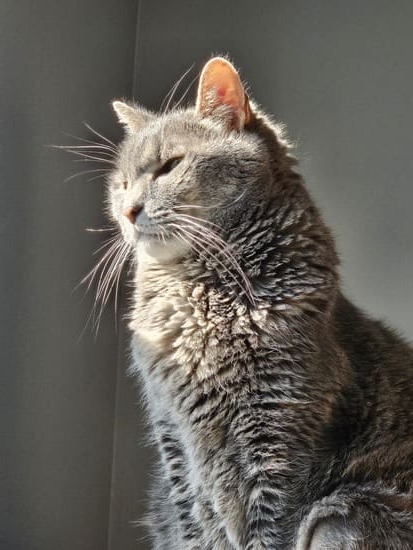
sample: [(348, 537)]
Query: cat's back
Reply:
[(377, 408), (378, 355)]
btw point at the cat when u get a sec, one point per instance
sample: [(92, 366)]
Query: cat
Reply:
[(282, 414)]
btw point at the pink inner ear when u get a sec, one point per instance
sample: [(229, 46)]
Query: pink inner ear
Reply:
[(221, 92), (220, 85)]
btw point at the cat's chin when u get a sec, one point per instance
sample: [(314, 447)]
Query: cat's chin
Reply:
[(150, 249)]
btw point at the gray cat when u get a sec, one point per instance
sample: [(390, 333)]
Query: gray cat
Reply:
[(282, 414)]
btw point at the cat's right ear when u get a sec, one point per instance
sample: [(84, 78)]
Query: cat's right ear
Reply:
[(222, 95), (133, 117)]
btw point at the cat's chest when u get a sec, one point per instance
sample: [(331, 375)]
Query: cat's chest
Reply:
[(162, 313), (173, 323), (187, 326)]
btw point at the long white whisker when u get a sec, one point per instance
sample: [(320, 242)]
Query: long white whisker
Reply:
[(174, 88), (219, 205), (108, 265), (119, 272), (206, 250), (211, 233), (112, 271), (104, 161), (101, 286), (222, 247), (92, 157), (99, 176), (102, 147), (112, 147), (109, 268), (99, 229), (89, 127), (78, 174), (109, 280), (87, 149), (114, 238), (185, 92), (205, 245), (113, 244), (189, 217)]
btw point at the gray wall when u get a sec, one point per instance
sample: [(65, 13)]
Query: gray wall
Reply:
[(60, 63), (75, 468)]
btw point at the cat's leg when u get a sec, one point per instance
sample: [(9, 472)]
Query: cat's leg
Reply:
[(198, 525), (179, 491), (269, 525), (359, 518), (162, 520), (213, 527), (271, 490)]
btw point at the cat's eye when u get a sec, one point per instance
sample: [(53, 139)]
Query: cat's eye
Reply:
[(125, 184), (168, 166)]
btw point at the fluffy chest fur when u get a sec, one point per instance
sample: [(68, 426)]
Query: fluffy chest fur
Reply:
[(186, 322)]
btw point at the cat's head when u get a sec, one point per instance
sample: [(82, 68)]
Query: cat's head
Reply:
[(184, 174)]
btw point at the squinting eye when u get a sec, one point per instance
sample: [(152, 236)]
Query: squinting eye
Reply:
[(125, 184), (168, 166)]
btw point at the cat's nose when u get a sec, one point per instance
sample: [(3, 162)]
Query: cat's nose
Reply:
[(132, 213)]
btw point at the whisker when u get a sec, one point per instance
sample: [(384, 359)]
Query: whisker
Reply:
[(104, 281), (199, 239), (98, 230), (111, 260), (113, 244), (99, 176), (78, 174), (89, 127), (86, 159), (112, 147), (122, 262), (106, 150), (219, 205), (90, 156), (109, 268), (202, 221), (91, 275), (202, 228), (94, 154), (172, 92), (210, 232), (118, 279), (205, 249), (224, 248), (109, 280), (97, 154), (107, 243), (185, 92)]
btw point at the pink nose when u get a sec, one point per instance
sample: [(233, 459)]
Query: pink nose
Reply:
[(132, 212)]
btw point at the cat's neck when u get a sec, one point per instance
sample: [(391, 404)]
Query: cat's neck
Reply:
[(275, 258)]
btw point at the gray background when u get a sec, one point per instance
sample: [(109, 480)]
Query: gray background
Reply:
[(74, 466)]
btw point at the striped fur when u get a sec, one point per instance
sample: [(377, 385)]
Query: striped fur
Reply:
[(282, 415)]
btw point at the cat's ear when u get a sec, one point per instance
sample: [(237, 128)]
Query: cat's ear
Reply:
[(222, 95), (131, 116)]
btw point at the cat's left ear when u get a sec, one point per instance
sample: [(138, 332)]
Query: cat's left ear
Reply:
[(132, 116), (222, 95)]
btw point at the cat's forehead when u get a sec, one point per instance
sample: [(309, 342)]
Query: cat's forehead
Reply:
[(172, 134), (180, 133)]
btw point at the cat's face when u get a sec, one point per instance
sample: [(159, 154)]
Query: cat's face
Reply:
[(181, 175)]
